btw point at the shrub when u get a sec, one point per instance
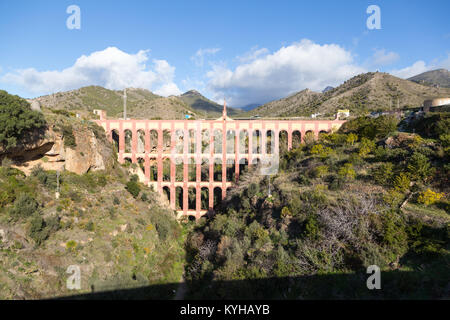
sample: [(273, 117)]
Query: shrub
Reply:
[(351, 138), (347, 172), (402, 182), (133, 188), (429, 197), (320, 171), (71, 245), (366, 146), (419, 167), (69, 138), (24, 206), (384, 173), (38, 231), (285, 212)]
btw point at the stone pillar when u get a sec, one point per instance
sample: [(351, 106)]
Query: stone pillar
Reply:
[(289, 136), (250, 145), (147, 167), (133, 142), (211, 196), (159, 158), (224, 159), (172, 166), (236, 152), (302, 133), (185, 168), (147, 138), (316, 130), (121, 141)]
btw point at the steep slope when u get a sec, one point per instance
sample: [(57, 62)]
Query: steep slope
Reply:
[(141, 103), (200, 103), (361, 94), (439, 77)]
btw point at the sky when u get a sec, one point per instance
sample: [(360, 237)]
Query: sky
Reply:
[(247, 52)]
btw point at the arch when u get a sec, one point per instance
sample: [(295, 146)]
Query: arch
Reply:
[(167, 136), (231, 138), (309, 137), (192, 197), (217, 169), (243, 141), (179, 170), (205, 141), (115, 139), (231, 170), (127, 161), (153, 141), (128, 139), (217, 141), (166, 192), (296, 139), (153, 169), (191, 141), (217, 196), (140, 141), (204, 198), (243, 165), (283, 138), (322, 134), (166, 169), (256, 145), (270, 142), (179, 198), (141, 163), (192, 169), (205, 170), (256, 161), (179, 141)]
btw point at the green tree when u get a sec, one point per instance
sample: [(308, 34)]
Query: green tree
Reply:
[(351, 138), (419, 167), (366, 146), (347, 172), (384, 173)]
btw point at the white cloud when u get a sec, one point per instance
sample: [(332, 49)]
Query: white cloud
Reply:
[(199, 57), (408, 72), (110, 68), (383, 58), (253, 54), (290, 69)]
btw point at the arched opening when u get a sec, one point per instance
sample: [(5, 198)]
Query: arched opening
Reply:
[(231, 170), (166, 169), (179, 141), (217, 197), (296, 139), (128, 138), (205, 170), (243, 165), (243, 141), (217, 169), (283, 141), (270, 142), (322, 135), (166, 141), (309, 137), (256, 145), (127, 161), (166, 192), (179, 170), (204, 198), (153, 141), (115, 139), (153, 169), (140, 141), (191, 142), (192, 197), (217, 141), (256, 162), (141, 163), (179, 198), (205, 141), (192, 170), (231, 141)]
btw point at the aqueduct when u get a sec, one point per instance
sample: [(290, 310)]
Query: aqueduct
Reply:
[(194, 162)]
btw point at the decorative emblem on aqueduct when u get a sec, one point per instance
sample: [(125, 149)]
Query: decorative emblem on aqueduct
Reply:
[(194, 162)]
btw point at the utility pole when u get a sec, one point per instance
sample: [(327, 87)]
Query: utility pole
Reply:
[(57, 185), (125, 103)]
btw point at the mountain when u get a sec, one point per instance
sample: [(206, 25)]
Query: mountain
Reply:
[(200, 103), (328, 88), (361, 94), (439, 77), (141, 103), (250, 106)]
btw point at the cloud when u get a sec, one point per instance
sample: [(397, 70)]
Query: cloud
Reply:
[(292, 68), (110, 68), (408, 72), (383, 58), (253, 54), (199, 56)]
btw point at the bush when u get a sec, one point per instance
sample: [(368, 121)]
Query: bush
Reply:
[(133, 188), (366, 146), (402, 182), (17, 120), (69, 138), (384, 173), (429, 197), (24, 206), (346, 172), (38, 231), (419, 167)]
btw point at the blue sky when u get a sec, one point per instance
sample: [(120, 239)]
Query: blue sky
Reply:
[(244, 51)]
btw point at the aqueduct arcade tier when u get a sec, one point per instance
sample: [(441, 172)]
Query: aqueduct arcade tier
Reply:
[(194, 162)]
